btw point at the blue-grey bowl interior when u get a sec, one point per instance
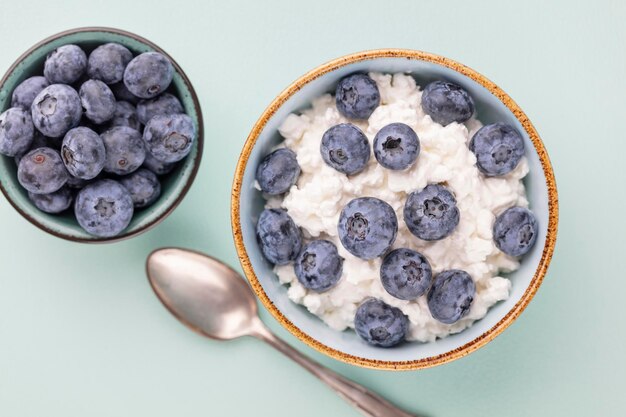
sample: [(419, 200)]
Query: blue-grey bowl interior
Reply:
[(489, 109)]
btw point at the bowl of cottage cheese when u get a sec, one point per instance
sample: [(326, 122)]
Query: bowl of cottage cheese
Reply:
[(388, 227)]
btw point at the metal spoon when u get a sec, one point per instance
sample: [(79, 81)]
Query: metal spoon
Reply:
[(215, 301)]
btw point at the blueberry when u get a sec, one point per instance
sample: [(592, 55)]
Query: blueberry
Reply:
[(54, 143), (97, 100), (451, 295), (122, 93), (446, 102), (76, 183), (65, 64), (405, 274), (16, 131), (53, 203), (156, 166), (148, 74), (318, 267), (367, 227), (278, 236), (125, 115), (56, 109), (162, 105), (144, 187), (85, 122), (25, 93), (515, 231), (83, 153), (104, 208), (42, 171), (278, 171), (169, 138), (380, 324), (396, 146), (357, 96), (107, 62), (39, 141), (125, 150), (498, 148), (345, 148), (431, 214)]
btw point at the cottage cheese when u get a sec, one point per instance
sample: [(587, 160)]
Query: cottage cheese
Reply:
[(320, 194)]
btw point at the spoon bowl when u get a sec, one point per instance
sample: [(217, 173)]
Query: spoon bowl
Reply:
[(214, 300), (205, 294)]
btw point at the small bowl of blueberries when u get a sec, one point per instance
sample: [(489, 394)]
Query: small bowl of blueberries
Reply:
[(394, 209), (100, 135)]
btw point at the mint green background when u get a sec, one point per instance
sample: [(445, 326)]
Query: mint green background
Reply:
[(81, 333)]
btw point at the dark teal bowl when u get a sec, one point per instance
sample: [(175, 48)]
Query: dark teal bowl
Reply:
[(174, 186)]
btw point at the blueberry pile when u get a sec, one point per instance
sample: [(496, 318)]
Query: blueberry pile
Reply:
[(368, 226), (97, 131)]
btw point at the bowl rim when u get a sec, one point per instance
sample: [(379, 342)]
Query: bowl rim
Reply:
[(460, 351), (199, 140)]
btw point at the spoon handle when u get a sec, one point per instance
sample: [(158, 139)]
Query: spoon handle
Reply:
[(369, 403)]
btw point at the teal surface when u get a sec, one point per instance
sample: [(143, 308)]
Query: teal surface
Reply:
[(81, 333)]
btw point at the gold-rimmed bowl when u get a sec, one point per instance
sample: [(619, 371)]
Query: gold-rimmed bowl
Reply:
[(174, 186), (492, 105)]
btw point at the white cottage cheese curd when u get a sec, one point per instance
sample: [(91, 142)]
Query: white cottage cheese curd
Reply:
[(321, 192)]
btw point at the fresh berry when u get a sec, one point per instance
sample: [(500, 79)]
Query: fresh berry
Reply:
[(107, 62), (53, 203), (162, 105), (97, 100), (169, 138), (278, 171), (56, 109), (125, 115), (148, 74), (405, 274), (125, 150), (76, 183), (65, 64), (515, 231), (42, 171), (66, 143), (380, 324), (367, 227), (122, 93), (144, 187), (451, 295), (447, 102), (357, 96), (16, 131), (279, 237), (498, 148), (25, 93), (83, 153), (345, 148), (39, 141), (396, 146), (156, 166), (431, 214), (319, 266), (104, 208)]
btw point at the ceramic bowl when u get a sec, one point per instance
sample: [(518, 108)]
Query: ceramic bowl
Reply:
[(492, 105), (174, 186)]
